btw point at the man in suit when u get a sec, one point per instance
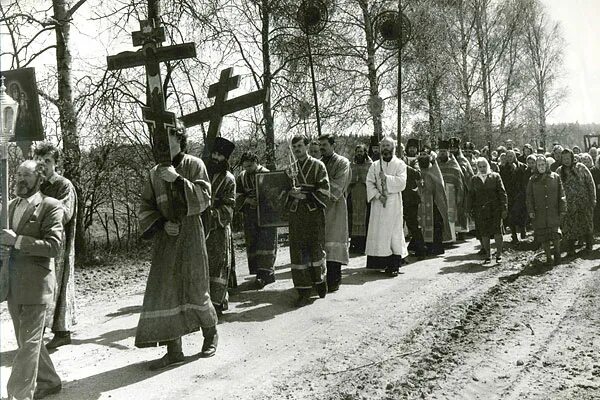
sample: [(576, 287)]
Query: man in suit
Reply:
[(33, 239)]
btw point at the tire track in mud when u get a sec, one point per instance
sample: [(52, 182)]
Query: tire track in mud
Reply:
[(478, 347)]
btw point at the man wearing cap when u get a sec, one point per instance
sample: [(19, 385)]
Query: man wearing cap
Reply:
[(358, 206), (177, 299), (386, 246), (456, 190), (374, 148), (218, 217), (306, 202), (336, 213), (261, 242), (469, 154)]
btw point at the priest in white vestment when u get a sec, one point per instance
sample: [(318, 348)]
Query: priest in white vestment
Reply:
[(386, 180)]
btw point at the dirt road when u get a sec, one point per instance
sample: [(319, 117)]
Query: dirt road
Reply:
[(446, 328)]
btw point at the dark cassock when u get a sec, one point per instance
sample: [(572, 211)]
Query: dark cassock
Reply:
[(433, 208), (456, 190), (261, 242), (336, 218), (177, 299), (218, 217), (60, 316), (386, 245), (307, 227), (513, 175), (360, 208), (411, 200), (467, 170)]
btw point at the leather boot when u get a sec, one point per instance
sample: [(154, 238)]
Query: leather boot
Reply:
[(211, 340)]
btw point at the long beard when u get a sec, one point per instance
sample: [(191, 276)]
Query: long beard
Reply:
[(424, 162), (443, 158), (216, 167), (386, 155), (360, 159)]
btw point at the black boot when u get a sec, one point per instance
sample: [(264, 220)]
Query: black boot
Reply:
[(61, 338), (211, 340), (334, 276), (173, 357)]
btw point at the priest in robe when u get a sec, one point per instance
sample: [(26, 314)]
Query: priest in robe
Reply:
[(468, 173), (336, 214), (261, 242), (176, 300), (306, 202), (359, 207), (456, 190), (218, 217), (433, 209), (386, 179)]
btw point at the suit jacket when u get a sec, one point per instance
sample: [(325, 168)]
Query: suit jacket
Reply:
[(31, 270)]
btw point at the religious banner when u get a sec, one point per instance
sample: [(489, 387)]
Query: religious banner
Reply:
[(271, 191), (22, 87)]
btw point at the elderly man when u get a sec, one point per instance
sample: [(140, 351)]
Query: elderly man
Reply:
[(177, 300), (218, 217), (467, 169), (336, 214), (357, 199), (386, 180), (61, 315), (34, 237)]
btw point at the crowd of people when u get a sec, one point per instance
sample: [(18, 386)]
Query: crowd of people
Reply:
[(389, 202)]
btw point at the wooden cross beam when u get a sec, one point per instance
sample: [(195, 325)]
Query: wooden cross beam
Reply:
[(222, 106), (151, 55)]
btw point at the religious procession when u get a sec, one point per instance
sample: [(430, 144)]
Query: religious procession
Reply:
[(299, 203)]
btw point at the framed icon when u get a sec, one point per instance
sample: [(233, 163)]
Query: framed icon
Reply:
[(271, 192), (22, 87)]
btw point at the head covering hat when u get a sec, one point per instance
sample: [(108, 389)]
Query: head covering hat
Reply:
[(412, 142), (223, 146), (443, 144)]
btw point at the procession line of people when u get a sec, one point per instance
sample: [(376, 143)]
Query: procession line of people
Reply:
[(335, 207)]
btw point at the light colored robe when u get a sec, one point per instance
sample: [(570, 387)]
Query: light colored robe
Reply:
[(336, 213), (386, 224)]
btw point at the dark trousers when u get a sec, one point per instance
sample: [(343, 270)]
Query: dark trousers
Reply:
[(32, 365), (412, 223)]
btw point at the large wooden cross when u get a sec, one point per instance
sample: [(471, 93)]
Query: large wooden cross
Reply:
[(151, 55), (222, 106)]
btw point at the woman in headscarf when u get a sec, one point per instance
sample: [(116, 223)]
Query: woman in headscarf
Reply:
[(546, 204), (488, 204), (580, 193)]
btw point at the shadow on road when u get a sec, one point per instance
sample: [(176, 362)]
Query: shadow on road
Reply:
[(466, 268), (125, 311), (109, 339), (467, 257), (259, 305), (93, 387)]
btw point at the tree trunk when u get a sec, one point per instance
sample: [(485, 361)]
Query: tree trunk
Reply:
[(372, 72), (68, 117), (267, 85)]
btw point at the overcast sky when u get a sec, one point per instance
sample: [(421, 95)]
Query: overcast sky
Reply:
[(580, 25)]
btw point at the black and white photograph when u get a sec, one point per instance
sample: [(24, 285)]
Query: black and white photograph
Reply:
[(300, 199)]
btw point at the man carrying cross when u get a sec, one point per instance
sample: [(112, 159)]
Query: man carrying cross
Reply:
[(177, 300)]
